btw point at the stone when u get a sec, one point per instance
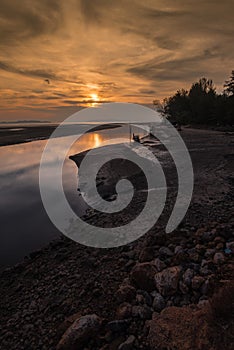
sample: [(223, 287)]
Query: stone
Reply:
[(179, 328), (142, 276), (125, 293), (159, 264), (165, 252), (220, 246), (197, 282), (80, 333), (147, 254), (128, 344), (124, 311), (145, 297), (230, 245), (218, 258), (143, 312), (117, 326), (159, 303), (187, 277), (178, 249), (183, 287), (167, 280)]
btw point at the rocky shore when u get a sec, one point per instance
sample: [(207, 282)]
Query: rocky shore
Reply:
[(171, 291)]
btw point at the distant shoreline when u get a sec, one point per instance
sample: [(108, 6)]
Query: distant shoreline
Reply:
[(25, 134)]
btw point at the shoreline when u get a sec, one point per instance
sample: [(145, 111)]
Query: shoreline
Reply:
[(36, 133)]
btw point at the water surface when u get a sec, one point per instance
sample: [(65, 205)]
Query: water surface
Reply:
[(25, 226)]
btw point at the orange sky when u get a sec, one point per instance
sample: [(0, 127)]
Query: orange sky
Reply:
[(101, 50)]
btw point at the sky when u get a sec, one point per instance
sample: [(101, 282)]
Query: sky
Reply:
[(57, 55)]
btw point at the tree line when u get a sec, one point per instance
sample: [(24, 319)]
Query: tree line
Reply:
[(201, 104)]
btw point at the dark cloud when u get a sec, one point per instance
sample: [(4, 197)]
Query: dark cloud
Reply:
[(177, 69), (35, 73), (147, 92), (27, 19)]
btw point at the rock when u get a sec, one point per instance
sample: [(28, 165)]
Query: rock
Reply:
[(159, 264), (179, 328), (143, 312), (142, 276), (178, 249), (147, 254), (197, 282), (145, 297), (124, 311), (181, 257), (159, 303), (230, 245), (167, 280), (218, 258), (117, 326), (220, 246), (125, 293), (128, 344), (187, 277), (80, 333), (183, 287), (165, 252)]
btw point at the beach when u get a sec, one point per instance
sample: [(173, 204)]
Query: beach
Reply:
[(123, 294)]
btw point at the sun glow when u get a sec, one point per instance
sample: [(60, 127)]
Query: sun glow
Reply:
[(95, 97)]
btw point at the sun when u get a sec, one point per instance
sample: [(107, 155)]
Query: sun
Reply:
[(94, 97)]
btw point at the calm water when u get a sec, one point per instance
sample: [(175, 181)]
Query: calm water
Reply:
[(25, 226)]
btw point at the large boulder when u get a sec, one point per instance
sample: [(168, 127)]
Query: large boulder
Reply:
[(167, 280), (80, 332), (178, 328)]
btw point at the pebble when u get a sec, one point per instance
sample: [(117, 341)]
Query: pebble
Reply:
[(128, 344), (218, 258), (167, 280), (159, 302)]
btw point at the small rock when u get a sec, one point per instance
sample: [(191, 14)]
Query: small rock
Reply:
[(167, 280), (165, 252), (117, 326), (178, 249), (187, 277), (124, 311), (147, 254), (128, 344), (183, 287), (80, 333), (230, 245), (218, 258), (125, 293), (220, 246), (142, 275), (145, 297), (159, 303), (197, 281), (142, 312), (159, 264)]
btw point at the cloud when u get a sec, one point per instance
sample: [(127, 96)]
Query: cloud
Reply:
[(130, 51), (29, 19), (35, 73)]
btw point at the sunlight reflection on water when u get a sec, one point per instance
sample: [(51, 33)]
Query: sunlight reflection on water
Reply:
[(24, 223)]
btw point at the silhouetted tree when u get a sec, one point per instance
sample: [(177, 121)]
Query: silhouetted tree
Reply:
[(202, 97), (201, 104), (229, 85)]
